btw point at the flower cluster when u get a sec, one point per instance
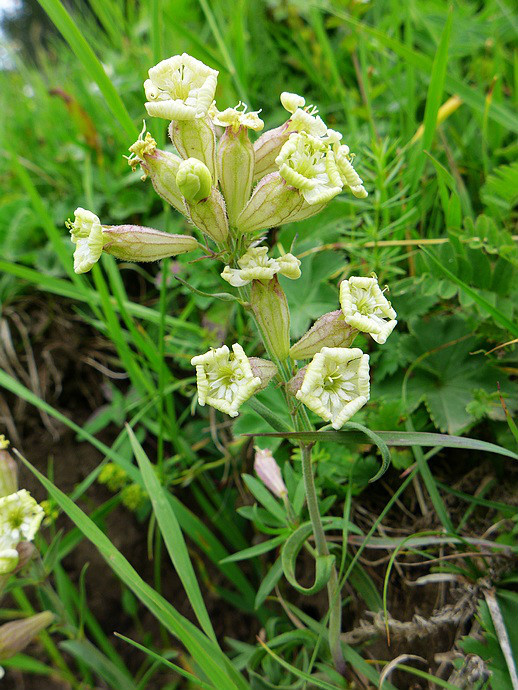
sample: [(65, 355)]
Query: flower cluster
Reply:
[(233, 190), (297, 167)]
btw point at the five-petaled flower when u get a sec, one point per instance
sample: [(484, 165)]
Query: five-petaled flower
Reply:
[(236, 117), (308, 163), (180, 88), (20, 519), (87, 234), (225, 380), (256, 265), (336, 384), (366, 308)]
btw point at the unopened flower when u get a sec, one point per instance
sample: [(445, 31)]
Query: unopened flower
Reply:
[(236, 117), (160, 166), (366, 308), (225, 380), (16, 635), (348, 174), (87, 234), (308, 164), (8, 469), (269, 472), (336, 384), (330, 330), (194, 180), (180, 88), (9, 556), (256, 265)]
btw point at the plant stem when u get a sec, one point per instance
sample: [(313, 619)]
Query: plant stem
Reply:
[(333, 592)]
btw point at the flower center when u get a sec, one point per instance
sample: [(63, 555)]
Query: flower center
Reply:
[(333, 381)]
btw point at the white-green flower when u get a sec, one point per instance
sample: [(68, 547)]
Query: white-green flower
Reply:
[(225, 380), (87, 234), (256, 265), (366, 308), (180, 88), (20, 516), (236, 117), (303, 118), (348, 174), (307, 163), (336, 384), (9, 556)]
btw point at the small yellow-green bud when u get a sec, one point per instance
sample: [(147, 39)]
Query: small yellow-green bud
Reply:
[(194, 180), (160, 166), (16, 635)]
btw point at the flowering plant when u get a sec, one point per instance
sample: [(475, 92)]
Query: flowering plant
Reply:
[(232, 191)]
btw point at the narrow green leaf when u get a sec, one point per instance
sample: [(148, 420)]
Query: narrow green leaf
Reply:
[(255, 550), (86, 56), (289, 553), (268, 583), (395, 438), (172, 534), (95, 660)]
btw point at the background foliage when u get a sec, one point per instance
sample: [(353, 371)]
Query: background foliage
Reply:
[(427, 96)]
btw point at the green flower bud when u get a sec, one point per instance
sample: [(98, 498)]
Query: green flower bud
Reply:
[(330, 330), (210, 216), (137, 243), (8, 470), (194, 180), (161, 167), (272, 314), (273, 202), (16, 635), (235, 170), (196, 139)]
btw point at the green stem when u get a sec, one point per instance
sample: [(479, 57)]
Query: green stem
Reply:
[(333, 590)]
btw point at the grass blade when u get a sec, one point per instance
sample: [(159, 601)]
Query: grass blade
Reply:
[(86, 56), (172, 535)]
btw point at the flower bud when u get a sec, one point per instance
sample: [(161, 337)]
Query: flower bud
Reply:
[(137, 243), (196, 139), (16, 635), (272, 203), (272, 314), (210, 216), (161, 167), (269, 472), (235, 170), (266, 150), (263, 369), (330, 330), (8, 470), (194, 180)]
